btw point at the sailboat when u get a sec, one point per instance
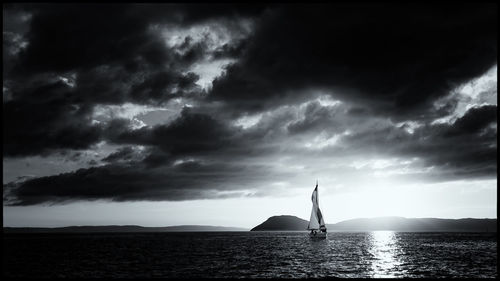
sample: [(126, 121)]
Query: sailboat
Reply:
[(316, 222)]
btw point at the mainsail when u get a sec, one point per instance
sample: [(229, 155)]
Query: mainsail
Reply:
[(316, 221)]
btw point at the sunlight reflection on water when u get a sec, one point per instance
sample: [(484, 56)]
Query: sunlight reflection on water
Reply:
[(384, 249)]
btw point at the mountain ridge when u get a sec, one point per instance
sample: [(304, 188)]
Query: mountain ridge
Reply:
[(293, 223), (391, 223), (121, 228)]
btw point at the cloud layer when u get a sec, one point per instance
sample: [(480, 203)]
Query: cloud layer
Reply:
[(290, 84)]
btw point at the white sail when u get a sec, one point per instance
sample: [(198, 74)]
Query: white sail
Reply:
[(316, 221), (313, 221)]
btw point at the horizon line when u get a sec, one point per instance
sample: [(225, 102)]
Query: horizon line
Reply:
[(94, 225)]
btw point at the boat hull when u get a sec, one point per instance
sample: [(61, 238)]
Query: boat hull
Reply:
[(320, 235)]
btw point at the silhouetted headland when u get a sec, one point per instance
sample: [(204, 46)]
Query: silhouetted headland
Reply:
[(293, 223), (282, 223)]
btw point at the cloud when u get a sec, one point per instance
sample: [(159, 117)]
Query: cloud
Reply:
[(124, 154), (118, 182), (189, 133), (308, 84), (196, 156), (44, 119), (460, 150), (395, 59), (81, 56), (68, 36), (475, 119), (317, 116)]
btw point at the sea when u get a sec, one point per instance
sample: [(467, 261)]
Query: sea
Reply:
[(376, 254)]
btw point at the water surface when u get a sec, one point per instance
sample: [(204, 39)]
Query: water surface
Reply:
[(251, 254)]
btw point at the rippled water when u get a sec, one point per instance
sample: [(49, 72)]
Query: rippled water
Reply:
[(251, 254)]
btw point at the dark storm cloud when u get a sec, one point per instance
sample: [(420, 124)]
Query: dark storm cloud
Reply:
[(44, 119), (473, 121), (117, 85), (15, 25), (109, 54), (125, 154), (155, 87), (157, 157), (466, 148), (194, 134), (397, 59), (193, 157), (184, 181), (384, 64), (469, 152), (190, 133), (63, 37), (463, 149), (68, 37), (230, 50)]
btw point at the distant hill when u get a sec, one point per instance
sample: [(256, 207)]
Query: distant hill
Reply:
[(282, 223), (286, 223), (416, 224), (120, 228)]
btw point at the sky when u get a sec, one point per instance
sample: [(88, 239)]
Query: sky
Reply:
[(225, 114)]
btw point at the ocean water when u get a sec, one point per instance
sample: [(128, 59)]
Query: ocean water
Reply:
[(251, 254)]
